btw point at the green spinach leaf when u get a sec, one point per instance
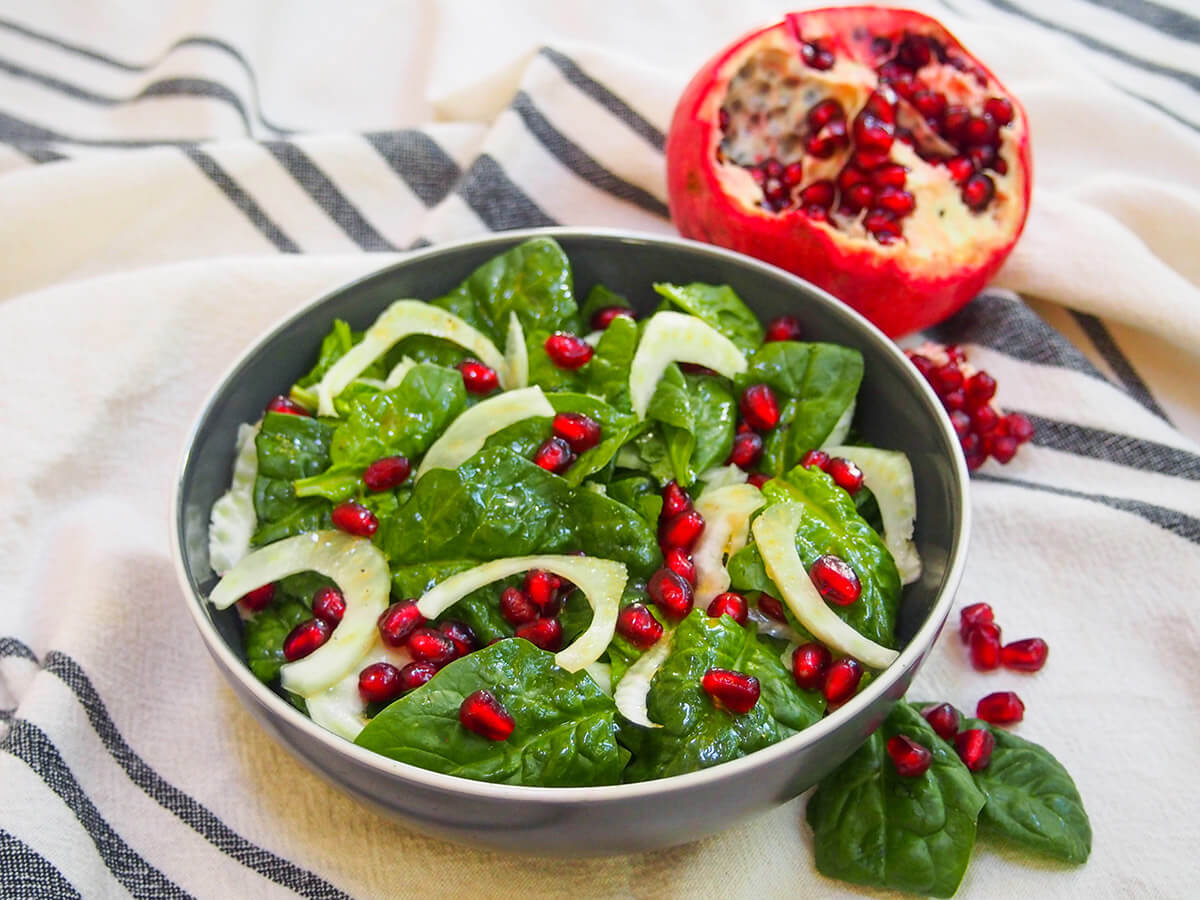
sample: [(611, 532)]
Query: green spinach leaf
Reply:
[(717, 305), (598, 298), (289, 448), (697, 415), (607, 375), (265, 631)]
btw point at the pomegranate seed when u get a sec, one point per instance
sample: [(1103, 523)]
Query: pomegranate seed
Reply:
[(771, 608), (759, 407), (972, 445), (747, 450), (1000, 166), (671, 593), (604, 316), (516, 607), (415, 674), (1019, 427), (982, 157), (881, 103), (793, 174), (890, 176), (460, 635), (478, 378), (819, 193), (554, 455), (379, 683), (975, 614), (980, 387), (815, 459), (758, 175), (816, 56), (1002, 448), (984, 646), (1000, 109), (387, 473), (729, 604), (897, 202), (329, 605), (1001, 708), (544, 633), (776, 192), (430, 646), (845, 474), (305, 638), (258, 599), (835, 580), (944, 719), (870, 160), (1026, 655), (824, 113), (882, 225), (682, 531), (860, 195), (773, 168), (675, 500), (984, 419), (954, 122), (810, 662), (974, 460), (580, 431), (961, 168), (909, 757), (282, 403), (828, 141), (680, 562), (873, 133), (354, 518), (955, 400), (733, 691), (542, 587), (978, 191), (849, 177), (482, 713), (637, 625), (758, 479), (841, 680), (961, 422), (914, 51), (947, 378), (975, 746), (930, 104), (955, 353), (397, 622), (783, 328), (568, 351), (723, 118), (980, 130)]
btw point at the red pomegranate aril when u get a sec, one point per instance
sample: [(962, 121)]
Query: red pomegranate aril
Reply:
[(834, 580), (747, 450), (772, 608), (680, 562), (477, 377), (869, 160), (415, 674), (860, 196), (783, 328), (759, 407), (914, 51), (729, 604), (568, 351), (637, 625), (810, 662), (387, 473), (828, 141), (982, 157), (975, 746), (841, 680), (910, 758), (542, 587), (516, 607), (1027, 655), (604, 316), (961, 422), (282, 403), (816, 56), (881, 103), (954, 122), (944, 719), (896, 201), (1000, 109), (354, 518), (889, 176), (398, 621), (758, 479), (1002, 448), (845, 474), (849, 177), (671, 593), (258, 599), (544, 633), (305, 638), (461, 635), (379, 683), (815, 459), (961, 168), (873, 133), (554, 455), (682, 531), (980, 387), (793, 175), (978, 191), (979, 130), (930, 104), (430, 646), (883, 226), (984, 419), (1018, 427), (580, 431), (482, 714), (955, 400), (819, 193), (984, 647), (975, 614), (947, 378), (734, 691), (1001, 708), (329, 605), (675, 500), (823, 113)]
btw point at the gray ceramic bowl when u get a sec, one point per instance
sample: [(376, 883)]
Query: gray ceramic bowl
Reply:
[(896, 409)]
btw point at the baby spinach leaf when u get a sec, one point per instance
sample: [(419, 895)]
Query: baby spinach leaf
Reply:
[(696, 415), (875, 828), (289, 448), (333, 347), (717, 305), (565, 730), (265, 631), (638, 493), (598, 298), (607, 375)]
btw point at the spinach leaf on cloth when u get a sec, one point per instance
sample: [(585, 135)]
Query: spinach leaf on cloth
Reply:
[(289, 448), (875, 828), (719, 306), (565, 732)]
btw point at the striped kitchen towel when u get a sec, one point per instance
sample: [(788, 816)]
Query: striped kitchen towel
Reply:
[(171, 185)]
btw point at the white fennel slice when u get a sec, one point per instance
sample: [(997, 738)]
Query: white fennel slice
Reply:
[(723, 476), (233, 519), (398, 321), (516, 354), (601, 673), (630, 695), (841, 427), (466, 434), (354, 564), (675, 337), (592, 338), (889, 476), (601, 580), (396, 376), (726, 513), (773, 628), (775, 535), (340, 707)]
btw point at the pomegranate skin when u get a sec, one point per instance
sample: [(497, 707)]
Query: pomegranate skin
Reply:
[(893, 289)]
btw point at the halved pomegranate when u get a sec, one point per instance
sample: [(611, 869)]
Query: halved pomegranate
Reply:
[(861, 148)]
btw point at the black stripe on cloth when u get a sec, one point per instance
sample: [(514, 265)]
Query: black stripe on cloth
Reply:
[(33, 747), (1121, 449), (574, 158), (27, 875), (1172, 520), (425, 167), (326, 195), (10, 646), (606, 98), (419, 243), (496, 200), (243, 201), (189, 811), (1173, 22), (39, 154), (7, 714), (1103, 341)]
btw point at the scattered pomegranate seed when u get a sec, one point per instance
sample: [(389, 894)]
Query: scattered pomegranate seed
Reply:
[(815, 459), (568, 351), (975, 614), (729, 604), (675, 500), (329, 605), (554, 455), (516, 607), (544, 633), (984, 419), (1002, 448), (603, 317), (478, 378), (975, 746), (671, 593), (759, 407), (948, 378), (386, 473), (258, 599), (984, 647), (397, 622), (682, 531), (961, 422), (810, 662), (415, 674), (1019, 427), (1000, 109), (305, 638), (747, 449), (637, 625), (431, 646), (580, 431), (379, 683), (461, 636), (482, 713), (834, 580), (1026, 655), (680, 562), (282, 403), (734, 691), (771, 608), (944, 719), (841, 680), (1001, 708), (542, 587), (354, 518), (909, 757), (758, 479), (785, 328), (845, 474)]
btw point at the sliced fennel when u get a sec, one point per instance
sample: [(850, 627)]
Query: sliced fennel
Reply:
[(726, 513), (889, 476), (601, 673), (516, 354), (601, 580), (592, 338), (775, 534), (360, 571), (466, 434), (402, 318), (630, 696), (675, 337), (723, 476), (233, 519), (396, 376), (841, 427), (340, 708), (775, 629)]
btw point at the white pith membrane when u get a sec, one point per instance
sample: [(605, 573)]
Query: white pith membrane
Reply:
[(466, 434), (769, 93), (340, 707), (398, 321), (516, 354), (775, 534), (677, 337), (630, 695), (726, 513), (359, 570), (233, 518), (600, 580), (889, 476)]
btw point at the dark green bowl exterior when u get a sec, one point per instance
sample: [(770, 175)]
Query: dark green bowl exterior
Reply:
[(895, 410)]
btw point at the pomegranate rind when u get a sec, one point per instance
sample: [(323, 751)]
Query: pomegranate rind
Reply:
[(516, 354), (677, 337), (466, 435), (775, 534), (901, 287), (726, 513), (233, 518), (634, 687)]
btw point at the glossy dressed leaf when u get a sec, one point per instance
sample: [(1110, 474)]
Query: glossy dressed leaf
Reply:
[(289, 448), (264, 633), (717, 305), (565, 732), (696, 416), (607, 375), (598, 298), (638, 493)]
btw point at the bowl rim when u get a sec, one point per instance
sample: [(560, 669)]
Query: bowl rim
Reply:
[(920, 643)]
